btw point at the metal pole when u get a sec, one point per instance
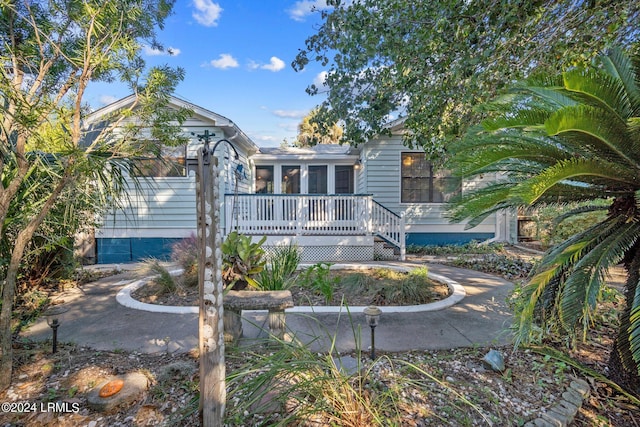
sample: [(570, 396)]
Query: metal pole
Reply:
[(373, 342), (54, 326)]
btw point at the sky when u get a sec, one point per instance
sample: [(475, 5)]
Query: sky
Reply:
[(237, 56)]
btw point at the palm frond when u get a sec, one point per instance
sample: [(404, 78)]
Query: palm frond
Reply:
[(621, 67), (531, 118), (479, 203), (551, 96), (608, 134), (598, 89), (577, 211), (634, 327), (563, 171), (580, 291), (546, 279)]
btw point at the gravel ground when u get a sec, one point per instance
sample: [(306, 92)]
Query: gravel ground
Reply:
[(433, 388)]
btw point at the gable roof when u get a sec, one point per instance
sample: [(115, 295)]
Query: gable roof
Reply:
[(231, 131)]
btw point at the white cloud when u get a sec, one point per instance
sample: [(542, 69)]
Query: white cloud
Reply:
[(224, 61), (321, 79), (290, 114), (207, 12), (150, 51), (302, 9), (275, 64), (107, 99)]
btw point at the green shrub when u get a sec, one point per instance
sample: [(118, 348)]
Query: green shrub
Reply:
[(242, 261), (510, 268), (473, 247), (282, 264)]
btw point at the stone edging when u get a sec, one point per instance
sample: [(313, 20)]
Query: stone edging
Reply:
[(563, 412), (457, 294)]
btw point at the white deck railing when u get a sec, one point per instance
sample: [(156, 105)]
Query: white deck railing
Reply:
[(312, 214), (388, 225)]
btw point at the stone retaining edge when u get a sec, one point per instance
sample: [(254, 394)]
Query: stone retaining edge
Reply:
[(563, 412)]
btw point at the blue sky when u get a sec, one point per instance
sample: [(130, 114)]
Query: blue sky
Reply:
[(237, 55)]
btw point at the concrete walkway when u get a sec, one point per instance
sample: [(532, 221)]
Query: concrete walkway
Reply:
[(95, 319)]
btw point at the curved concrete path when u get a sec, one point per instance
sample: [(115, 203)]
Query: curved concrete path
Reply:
[(95, 319)]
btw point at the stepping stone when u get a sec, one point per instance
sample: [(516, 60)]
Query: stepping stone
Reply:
[(117, 391)]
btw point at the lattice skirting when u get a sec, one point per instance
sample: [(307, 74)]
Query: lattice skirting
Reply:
[(382, 251), (332, 253)]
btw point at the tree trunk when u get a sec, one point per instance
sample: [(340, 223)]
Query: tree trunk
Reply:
[(8, 295), (622, 368), (6, 341), (9, 285)]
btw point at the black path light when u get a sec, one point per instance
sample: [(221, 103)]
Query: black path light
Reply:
[(53, 320), (372, 314)]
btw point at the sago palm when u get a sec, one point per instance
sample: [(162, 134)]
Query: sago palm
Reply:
[(574, 138)]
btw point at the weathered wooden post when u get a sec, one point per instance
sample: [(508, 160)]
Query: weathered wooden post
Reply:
[(211, 329)]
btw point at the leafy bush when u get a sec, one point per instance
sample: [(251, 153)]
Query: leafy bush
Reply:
[(554, 224), (473, 247), (282, 264), (510, 268), (242, 261)]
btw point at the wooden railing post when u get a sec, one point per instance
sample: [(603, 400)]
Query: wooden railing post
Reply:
[(401, 239)]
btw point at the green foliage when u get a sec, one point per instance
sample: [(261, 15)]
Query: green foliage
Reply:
[(581, 150), (58, 158), (432, 61), (281, 266), (310, 134), (318, 277), (242, 261), (555, 224), (508, 267), (315, 388), (473, 247)]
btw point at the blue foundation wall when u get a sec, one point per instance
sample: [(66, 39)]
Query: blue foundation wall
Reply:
[(113, 251), (441, 239)]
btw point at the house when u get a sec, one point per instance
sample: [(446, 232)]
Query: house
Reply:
[(336, 202), (162, 210)]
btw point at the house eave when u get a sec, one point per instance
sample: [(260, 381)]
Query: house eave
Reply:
[(260, 158), (230, 130)]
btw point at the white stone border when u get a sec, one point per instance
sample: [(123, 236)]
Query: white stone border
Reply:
[(457, 294)]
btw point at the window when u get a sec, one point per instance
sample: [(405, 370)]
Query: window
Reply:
[(344, 179), (317, 180), (421, 184), (264, 179), (170, 164), (290, 179)]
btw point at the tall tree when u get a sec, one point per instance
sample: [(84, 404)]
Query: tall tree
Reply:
[(311, 132), (50, 52), (434, 60), (554, 141)]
